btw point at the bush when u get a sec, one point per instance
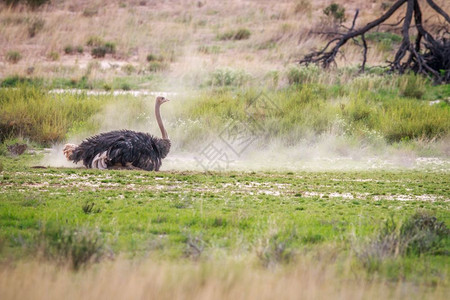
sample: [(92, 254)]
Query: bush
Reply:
[(69, 49), (424, 233), (79, 246), (153, 57), (13, 57), (240, 34), (98, 52), (110, 47), (129, 69), (125, 86), (102, 49), (276, 249), (36, 3), (419, 234), (335, 12), (32, 3)]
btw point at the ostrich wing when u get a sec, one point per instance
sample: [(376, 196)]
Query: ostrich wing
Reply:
[(139, 149)]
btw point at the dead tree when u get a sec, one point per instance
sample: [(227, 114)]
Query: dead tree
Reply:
[(425, 55)]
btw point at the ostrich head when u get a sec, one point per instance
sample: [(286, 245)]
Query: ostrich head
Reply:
[(160, 100)]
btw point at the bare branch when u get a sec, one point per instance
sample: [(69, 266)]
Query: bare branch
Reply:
[(439, 10)]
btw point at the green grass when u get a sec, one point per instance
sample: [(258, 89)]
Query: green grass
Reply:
[(367, 109), (176, 215)]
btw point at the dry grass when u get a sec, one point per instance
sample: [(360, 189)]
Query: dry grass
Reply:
[(280, 34), (123, 279)]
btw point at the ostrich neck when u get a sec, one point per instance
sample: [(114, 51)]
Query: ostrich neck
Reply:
[(159, 120)]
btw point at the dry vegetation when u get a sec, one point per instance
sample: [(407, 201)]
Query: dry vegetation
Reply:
[(190, 36), (122, 279)]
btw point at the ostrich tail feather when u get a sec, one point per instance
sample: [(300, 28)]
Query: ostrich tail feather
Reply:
[(68, 150)]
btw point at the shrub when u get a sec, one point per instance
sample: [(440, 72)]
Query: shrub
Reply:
[(79, 246), (129, 69), (110, 47), (35, 26), (425, 233), (36, 3), (125, 86), (13, 56), (32, 3), (276, 249), (335, 12), (419, 234), (153, 57), (98, 52), (69, 49), (242, 34)]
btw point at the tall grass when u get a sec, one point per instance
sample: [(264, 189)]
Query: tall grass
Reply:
[(312, 109), (42, 117), (306, 279), (363, 109)]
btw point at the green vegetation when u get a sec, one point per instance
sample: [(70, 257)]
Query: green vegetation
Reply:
[(32, 3), (78, 214), (44, 118), (335, 12), (240, 34), (368, 109)]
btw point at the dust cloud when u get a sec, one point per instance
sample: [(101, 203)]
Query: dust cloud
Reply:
[(197, 148)]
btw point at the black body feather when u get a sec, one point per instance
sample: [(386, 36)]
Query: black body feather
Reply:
[(123, 147)]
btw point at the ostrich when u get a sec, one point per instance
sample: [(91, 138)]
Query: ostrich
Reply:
[(123, 148)]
